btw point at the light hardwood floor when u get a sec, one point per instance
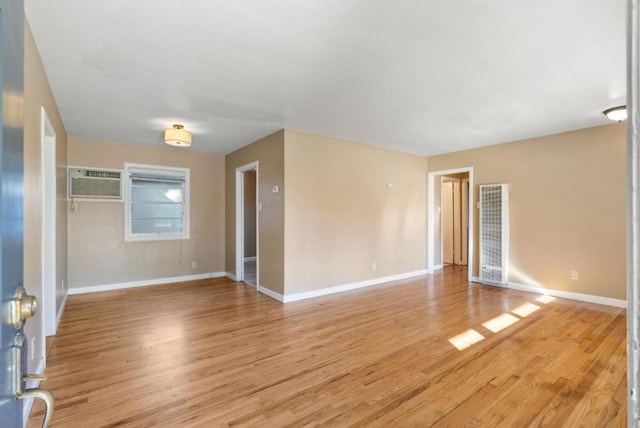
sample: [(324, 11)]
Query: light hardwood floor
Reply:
[(215, 353)]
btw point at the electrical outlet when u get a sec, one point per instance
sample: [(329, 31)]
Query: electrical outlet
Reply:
[(194, 265), (574, 274), (374, 266)]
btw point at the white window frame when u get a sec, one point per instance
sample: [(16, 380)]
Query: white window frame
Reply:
[(159, 169)]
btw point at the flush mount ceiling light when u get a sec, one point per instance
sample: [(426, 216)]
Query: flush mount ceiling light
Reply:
[(616, 113), (177, 136)]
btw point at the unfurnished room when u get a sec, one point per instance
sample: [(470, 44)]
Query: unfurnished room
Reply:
[(327, 213)]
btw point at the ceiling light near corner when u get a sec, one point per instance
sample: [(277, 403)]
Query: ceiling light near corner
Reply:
[(177, 136), (616, 113)]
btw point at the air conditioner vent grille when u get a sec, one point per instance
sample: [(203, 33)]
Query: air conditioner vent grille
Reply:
[(103, 174)]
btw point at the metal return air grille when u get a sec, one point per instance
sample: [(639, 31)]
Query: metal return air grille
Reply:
[(88, 188), (95, 183), (494, 233)]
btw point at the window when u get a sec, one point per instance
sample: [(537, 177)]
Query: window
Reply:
[(156, 203)]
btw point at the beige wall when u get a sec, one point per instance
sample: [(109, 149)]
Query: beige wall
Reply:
[(249, 214), (98, 253), (341, 217), (269, 152), (37, 94), (567, 206)]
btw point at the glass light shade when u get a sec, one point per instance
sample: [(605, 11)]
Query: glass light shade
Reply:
[(616, 113), (177, 136)]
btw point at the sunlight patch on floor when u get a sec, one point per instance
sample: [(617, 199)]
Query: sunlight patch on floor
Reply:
[(500, 322), (466, 339), (545, 299), (526, 309)]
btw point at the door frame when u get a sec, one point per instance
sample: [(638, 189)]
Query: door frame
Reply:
[(633, 212), (49, 197), (464, 221), (431, 213), (240, 220)]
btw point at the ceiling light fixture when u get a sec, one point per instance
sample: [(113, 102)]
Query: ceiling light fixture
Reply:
[(177, 136), (616, 113)]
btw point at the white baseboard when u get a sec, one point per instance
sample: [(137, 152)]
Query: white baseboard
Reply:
[(434, 269), (231, 276), (144, 283), (250, 259), (352, 286), (28, 403), (61, 311), (277, 296), (589, 298)]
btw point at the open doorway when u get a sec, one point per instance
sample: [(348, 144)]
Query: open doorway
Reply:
[(250, 211), (453, 219), (247, 258), (450, 219)]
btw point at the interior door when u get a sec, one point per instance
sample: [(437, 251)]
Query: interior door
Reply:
[(11, 194)]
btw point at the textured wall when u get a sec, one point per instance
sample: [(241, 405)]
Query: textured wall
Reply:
[(340, 216), (99, 255), (269, 152), (37, 94), (567, 206)]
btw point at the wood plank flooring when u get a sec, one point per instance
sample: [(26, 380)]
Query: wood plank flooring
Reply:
[(216, 353)]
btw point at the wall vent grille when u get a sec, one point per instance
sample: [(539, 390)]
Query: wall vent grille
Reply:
[(494, 233)]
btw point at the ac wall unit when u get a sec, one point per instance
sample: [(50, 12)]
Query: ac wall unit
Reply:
[(95, 183), (494, 233)]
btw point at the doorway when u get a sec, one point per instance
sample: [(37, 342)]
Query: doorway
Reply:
[(250, 247), (450, 219), (49, 293), (454, 194), (247, 208)]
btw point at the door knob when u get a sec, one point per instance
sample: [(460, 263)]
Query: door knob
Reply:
[(23, 306)]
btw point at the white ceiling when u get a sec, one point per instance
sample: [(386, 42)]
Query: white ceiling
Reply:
[(418, 76)]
